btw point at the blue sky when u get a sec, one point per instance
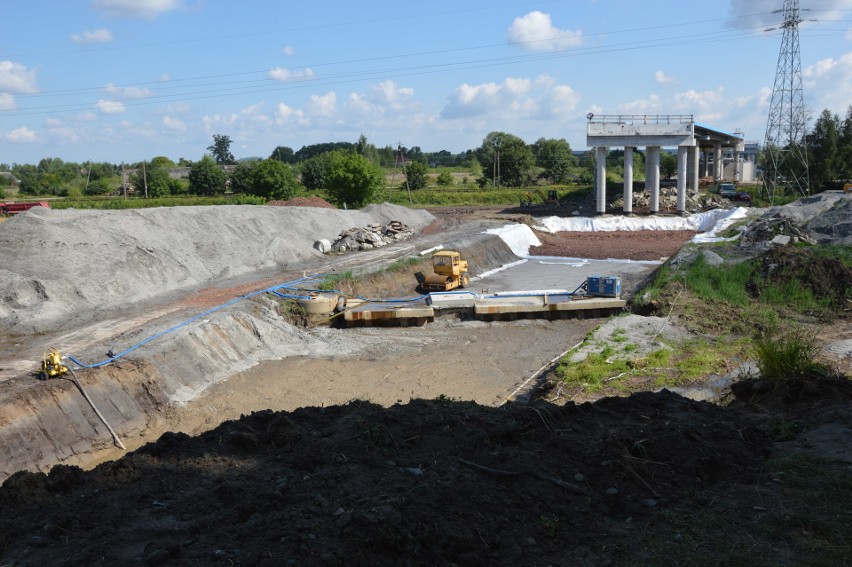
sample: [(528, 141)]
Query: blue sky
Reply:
[(127, 80)]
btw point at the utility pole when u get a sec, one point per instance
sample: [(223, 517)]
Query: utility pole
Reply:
[(786, 158), (401, 158), (496, 172), (144, 179), (123, 180)]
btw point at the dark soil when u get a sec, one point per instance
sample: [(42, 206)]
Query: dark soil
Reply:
[(426, 483), (637, 245), (829, 279)]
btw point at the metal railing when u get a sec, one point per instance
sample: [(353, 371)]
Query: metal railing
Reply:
[(640, 118)]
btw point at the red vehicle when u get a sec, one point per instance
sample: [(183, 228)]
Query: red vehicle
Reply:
[(20, 207)]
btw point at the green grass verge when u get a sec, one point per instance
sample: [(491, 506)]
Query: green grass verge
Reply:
[(117, 203)]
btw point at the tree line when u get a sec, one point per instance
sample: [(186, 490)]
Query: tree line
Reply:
[(352, 173)]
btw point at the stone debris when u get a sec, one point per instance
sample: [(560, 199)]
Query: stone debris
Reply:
[(695, 203), (374, 235), (774, 230)]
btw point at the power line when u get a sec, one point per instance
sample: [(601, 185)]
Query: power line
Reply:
[(262, 84)]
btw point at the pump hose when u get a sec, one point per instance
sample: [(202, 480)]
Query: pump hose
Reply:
[(91, 403)]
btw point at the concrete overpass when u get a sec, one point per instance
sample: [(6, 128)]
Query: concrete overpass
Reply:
[(656, 131)]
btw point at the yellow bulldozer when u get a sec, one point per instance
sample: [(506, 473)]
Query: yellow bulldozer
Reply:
[(450, 272), (51, 365)]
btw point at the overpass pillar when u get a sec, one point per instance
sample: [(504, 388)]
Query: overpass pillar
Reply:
[(628, 180), (681, 179), (694, 152), (718, 166), (652, 176), (600, 165)]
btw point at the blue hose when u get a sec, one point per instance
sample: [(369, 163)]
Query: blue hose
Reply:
[(188, 321)]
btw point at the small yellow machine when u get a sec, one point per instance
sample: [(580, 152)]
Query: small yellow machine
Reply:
[(51, 365), (450, 272)]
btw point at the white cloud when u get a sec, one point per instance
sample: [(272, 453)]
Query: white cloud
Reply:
[(282, 74), (7, 101), (102, 35), (650, 105), (828, 83), (536, 32), (285, 114), (288, 50), (173, 123), (663, 79), (110, 106), (22, 134), (16, 78), (147, 9), (127, 92), (758, 14), (472, 100), (562, 101), (322, 105), (694, 102), (820, 69)]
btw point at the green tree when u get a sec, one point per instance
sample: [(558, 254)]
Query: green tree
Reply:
[(352, 179), (241, 177), (27, 176), (415, 175), (506, 160), (272, 179), (555, 158), (283, 154), (307, 152), (207, 178), (844, 148), (100, 186), (162, 161), (668, 164), (221, 149), (445, 179), (822, 150), (367, 150), (156, 179), (313, 172)]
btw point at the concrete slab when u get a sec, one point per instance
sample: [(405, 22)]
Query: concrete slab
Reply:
[(389, 314)]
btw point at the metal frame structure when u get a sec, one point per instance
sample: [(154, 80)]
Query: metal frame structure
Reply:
[(786, 157)]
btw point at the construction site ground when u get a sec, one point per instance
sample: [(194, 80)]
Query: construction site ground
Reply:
[(396, 447)]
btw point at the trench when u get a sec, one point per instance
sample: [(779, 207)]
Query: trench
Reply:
[(50, 424)]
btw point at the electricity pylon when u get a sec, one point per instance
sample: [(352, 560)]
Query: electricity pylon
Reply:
[(785, 155)]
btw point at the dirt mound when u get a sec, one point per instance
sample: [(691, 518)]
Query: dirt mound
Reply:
[(828, 278), (318, 202), (428, 483), (634, 245)]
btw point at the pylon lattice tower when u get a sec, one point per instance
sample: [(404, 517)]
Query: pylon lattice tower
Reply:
[(786, 157)]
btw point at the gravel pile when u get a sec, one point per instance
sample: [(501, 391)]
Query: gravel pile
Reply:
[(67, 267), (695, 203)]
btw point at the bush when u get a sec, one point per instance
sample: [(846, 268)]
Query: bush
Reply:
[(788, 355)]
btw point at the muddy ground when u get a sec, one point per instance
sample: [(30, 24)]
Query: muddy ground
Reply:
[(653, 479)]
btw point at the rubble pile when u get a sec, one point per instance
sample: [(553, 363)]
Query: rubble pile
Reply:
[(372, 236), (695, 202), (775, 230)]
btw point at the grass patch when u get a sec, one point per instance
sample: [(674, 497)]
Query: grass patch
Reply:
[(117, 203), (726, 283), (331, 282), (788, 355)]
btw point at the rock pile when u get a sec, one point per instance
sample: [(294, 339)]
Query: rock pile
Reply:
[(774, 230), (695, 203), (372, 236)]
